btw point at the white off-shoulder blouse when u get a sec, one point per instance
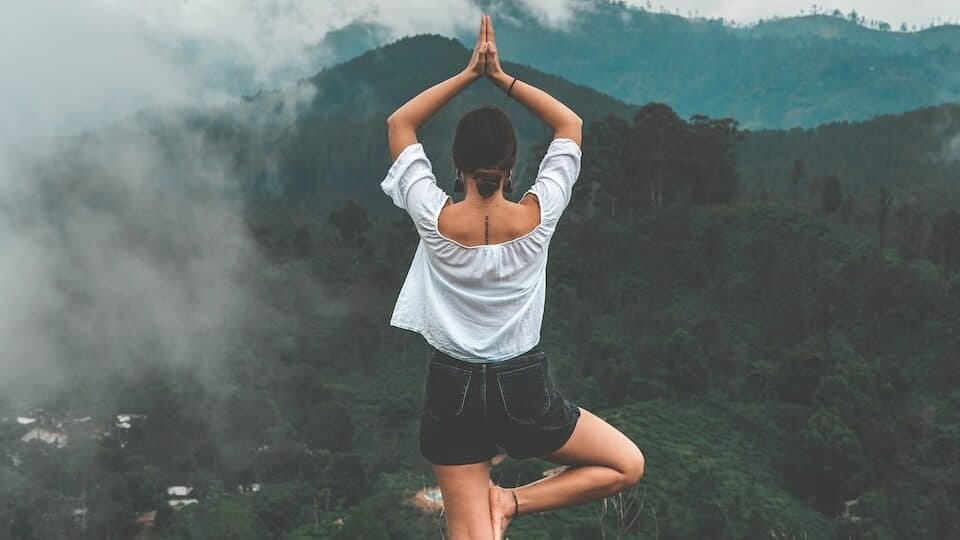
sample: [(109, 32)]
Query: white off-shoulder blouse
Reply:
[(477, 303)]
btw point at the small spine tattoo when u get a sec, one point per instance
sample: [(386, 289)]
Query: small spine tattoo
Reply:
[(486, 229)]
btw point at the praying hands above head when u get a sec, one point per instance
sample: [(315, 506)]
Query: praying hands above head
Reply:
[(484, 62)]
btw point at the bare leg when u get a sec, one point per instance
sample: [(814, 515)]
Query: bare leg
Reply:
[(603, 461), (465, 489)]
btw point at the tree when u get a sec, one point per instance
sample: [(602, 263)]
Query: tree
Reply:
[(612, 369), (653, 146), (832, 195), (797, 174), (706, 159), (685, 363), (945, 239), (678, 161), (604, 165), (852, 394), (883, 211), (830, 464), (218, 517), (278, 506)]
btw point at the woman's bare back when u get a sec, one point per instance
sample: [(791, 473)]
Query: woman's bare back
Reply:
[(493, 223)]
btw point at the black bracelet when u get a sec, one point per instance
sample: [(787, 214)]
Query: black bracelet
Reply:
[(511, 86)]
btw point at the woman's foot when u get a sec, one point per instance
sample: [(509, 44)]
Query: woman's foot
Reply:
[(502, 508)]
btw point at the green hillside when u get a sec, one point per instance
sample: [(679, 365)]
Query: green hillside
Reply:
[(796, 71), (711, 473)]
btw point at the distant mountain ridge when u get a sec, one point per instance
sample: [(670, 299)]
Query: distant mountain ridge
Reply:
[(792, 72), (835, 28)]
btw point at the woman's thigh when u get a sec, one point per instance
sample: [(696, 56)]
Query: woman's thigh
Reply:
[(466, 499), (595, 442)]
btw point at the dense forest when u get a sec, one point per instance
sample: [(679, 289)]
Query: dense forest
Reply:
[(915, 155), (774, 325)]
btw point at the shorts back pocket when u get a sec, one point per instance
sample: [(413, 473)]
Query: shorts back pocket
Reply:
[(445, 391), (525, 393)]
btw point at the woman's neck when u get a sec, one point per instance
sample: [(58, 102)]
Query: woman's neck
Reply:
[(473, 197)]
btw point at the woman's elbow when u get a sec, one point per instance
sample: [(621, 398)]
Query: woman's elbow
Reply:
[(397, 124), (572, 129)]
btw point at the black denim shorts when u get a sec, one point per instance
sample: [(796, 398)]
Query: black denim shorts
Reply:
[(472, 408)]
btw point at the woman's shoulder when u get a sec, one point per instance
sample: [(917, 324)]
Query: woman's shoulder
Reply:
[(529, 212)]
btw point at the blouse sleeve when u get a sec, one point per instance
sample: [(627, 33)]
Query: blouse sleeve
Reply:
[(558, 172), (412, 186)]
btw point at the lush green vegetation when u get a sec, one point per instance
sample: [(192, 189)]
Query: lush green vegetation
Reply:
[(776, 353), (915, 155)]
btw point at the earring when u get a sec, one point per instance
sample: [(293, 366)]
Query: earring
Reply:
[(508, 183), (458, 183)]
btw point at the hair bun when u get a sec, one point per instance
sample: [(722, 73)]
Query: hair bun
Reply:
[(488, 181), (488, 175)]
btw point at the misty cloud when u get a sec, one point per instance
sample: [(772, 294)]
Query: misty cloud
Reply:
[(559, 14), (125, 246), (117, 256), (71, 67)]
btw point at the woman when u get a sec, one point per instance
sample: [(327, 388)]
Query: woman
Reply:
[(475, 291)]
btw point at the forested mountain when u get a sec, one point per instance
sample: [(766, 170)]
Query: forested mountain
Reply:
[(761, 78), (915, 155), (800, 71), (779, 339), (335, 140)]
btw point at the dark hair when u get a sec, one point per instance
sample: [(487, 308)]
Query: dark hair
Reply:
[(486, 147)]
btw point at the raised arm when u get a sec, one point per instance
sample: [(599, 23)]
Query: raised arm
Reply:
[(551, 111), (403, 123)]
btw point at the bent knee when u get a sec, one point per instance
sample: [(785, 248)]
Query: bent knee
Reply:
[(632, 470)]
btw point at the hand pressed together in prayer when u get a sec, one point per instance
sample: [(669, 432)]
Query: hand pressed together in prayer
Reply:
[(485, 61)]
